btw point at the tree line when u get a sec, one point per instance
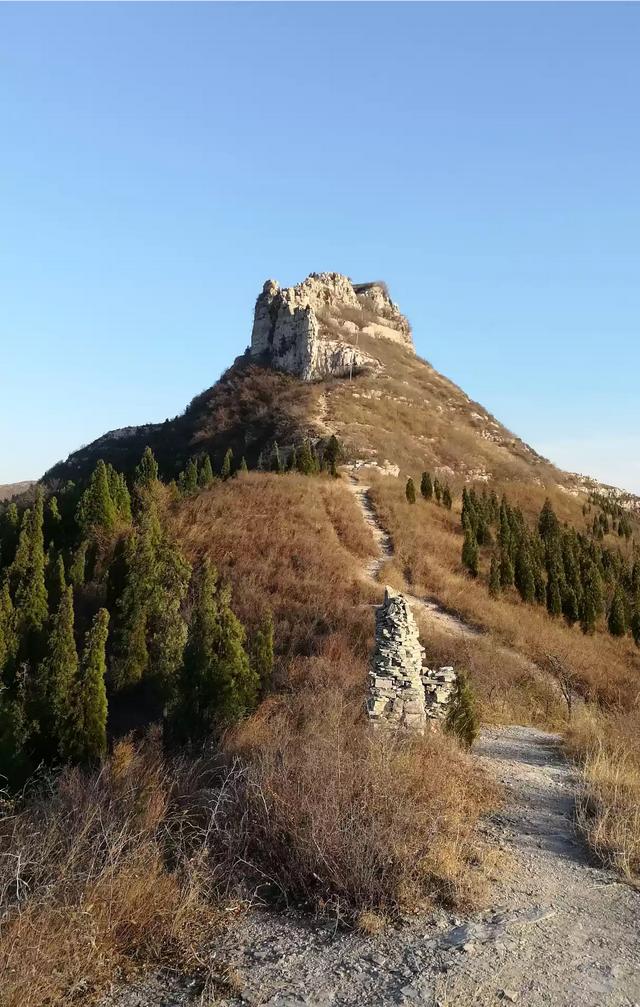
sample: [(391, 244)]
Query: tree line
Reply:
[(567, 571), (96, 597)]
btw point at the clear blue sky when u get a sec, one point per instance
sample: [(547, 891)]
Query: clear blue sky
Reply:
[(158, 162)]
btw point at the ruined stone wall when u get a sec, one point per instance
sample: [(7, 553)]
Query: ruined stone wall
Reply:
[(304, 329), (403, 692)]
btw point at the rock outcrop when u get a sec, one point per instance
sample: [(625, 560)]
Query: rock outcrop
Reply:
[(403, 693), (312, 330)]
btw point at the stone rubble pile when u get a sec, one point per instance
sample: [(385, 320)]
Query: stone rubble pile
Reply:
[(402, 691)]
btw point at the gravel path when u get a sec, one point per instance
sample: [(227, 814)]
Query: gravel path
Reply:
[(561, 932)]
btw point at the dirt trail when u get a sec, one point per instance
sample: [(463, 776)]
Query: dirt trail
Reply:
[(562, 932), (426, 606)]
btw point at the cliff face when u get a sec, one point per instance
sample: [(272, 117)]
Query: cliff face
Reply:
[(312, 330)]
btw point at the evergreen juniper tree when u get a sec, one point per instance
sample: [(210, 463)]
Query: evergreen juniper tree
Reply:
[(216, 684), (243, 465), (426, 486), (191, 477), (470, 552), (30, 597), (305, 460), (410, 491), (96, 510), (617, 620), (57, 679), (146, 472), (437, 490), (227, 464), (507, 574), (494, 577), (635, 622), (93, 743), (276, 459), (205, 477), (462, 718), (524, 579), (591, 598), (446, 497), (78, 565), (333, 455)]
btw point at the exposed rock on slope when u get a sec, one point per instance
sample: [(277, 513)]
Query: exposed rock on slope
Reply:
[(309, 330)]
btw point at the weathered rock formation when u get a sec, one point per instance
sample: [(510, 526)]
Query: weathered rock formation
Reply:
[(312, 329), (402, 691)]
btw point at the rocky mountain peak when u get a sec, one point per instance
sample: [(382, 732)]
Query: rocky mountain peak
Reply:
[(312, 329)]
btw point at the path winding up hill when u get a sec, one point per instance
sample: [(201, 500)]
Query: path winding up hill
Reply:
[(561, 931)]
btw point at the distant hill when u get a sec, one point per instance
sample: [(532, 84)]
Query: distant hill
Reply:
[(9, 490)]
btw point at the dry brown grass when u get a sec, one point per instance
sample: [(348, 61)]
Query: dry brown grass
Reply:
[(607, 747), (98, 876), (349, 821), (292, 545), (427, 545)]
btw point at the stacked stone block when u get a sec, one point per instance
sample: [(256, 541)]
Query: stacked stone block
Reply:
[(402, 692)]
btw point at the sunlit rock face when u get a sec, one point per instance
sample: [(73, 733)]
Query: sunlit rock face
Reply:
[(312, 330)]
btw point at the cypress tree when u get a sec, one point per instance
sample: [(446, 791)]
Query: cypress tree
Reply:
[(53, 515), (227, 463), (96, 509), (548, 524), (305, 460), (9, 531), (437, 490), (570, 606), (57, 582), (217, 684), (462, 718), (410, 491), (591, 599), (495, 585), (14, 763), (78, 565), (165, 623), (191, 477), (57, 679), (147, 470), (554, 596), (119, 494), (276, 459), (205, 477), (617, 620), (507, 574), (446, 497), (8, 642), (333, 455), (130, 653), (524, 579), (262, 653), (31, 593), (470, 552), (93, 738), (635, 623), (243, 465), (426, 486), (541, 584)]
